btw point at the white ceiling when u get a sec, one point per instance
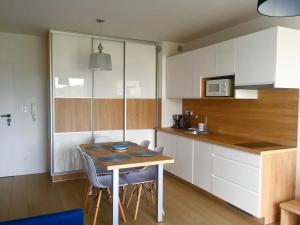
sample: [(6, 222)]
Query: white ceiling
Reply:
[(155, 20)]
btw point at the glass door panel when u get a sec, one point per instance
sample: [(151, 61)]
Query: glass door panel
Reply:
[(71, 100), (108, 93), (140, 83)]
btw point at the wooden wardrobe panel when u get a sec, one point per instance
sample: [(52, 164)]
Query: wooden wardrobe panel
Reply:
[(72, 114), (272, 117), (108, 114), (140, 113)]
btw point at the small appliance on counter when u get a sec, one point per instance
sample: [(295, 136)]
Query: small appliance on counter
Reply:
[(178, 121)]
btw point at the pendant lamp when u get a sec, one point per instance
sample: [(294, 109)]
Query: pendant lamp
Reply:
[(99, 60), (279, 8)]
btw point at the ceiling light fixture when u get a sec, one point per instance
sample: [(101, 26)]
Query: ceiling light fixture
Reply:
[(279, 8), (100, 60)]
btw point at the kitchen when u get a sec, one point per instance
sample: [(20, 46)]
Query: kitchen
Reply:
[(244, 129), (224, 107)]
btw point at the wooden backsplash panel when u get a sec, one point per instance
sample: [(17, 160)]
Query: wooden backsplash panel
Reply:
[(72, 114), (272, 117), (141, 113), (108, 114)]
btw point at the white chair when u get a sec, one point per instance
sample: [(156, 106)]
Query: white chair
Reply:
[(102, 139), (100, 183), (145, 143)]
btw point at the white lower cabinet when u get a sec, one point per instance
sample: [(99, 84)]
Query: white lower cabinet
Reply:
[(230, 174), (236, 195), (202, 167), (169, 142), (236, 178), (184, 158)]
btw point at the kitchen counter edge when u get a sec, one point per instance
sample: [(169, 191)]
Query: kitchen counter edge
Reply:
[(229, 141)]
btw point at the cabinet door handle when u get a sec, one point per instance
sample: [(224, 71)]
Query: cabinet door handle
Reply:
[(6, 115)]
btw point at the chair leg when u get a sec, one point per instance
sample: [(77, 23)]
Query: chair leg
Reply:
[(138, 201), (122, 211), (86, 195), (97, 207), (152, 192), (124, 195), (130, 197)]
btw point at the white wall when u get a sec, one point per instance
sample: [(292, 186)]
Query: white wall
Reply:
[(251, 26), (169, 106), (28, 56)]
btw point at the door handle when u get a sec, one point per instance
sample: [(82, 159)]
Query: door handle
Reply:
[(6, 115)]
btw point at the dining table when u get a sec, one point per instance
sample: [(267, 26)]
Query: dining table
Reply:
[(133, 155)]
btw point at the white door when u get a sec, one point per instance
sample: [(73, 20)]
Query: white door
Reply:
[(6, 132)]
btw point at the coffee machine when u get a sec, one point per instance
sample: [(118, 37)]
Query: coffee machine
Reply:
[(178, 121)]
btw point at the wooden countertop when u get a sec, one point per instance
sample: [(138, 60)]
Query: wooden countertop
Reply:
[(230, 141)]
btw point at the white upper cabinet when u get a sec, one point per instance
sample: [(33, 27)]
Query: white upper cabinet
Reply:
[(72, 77), (270, 56), (184, 72), (225, 58), (256, 58), (179, 75), (204, 63), (140, 65), (288, 58), (109, 84)]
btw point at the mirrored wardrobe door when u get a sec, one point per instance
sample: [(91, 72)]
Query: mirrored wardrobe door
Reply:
[(140, 83), (108, 93), (71, 100)]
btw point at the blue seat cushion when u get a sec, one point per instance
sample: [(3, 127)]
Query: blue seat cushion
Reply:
[(72, 217)]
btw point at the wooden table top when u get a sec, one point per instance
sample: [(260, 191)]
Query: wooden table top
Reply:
[(130, 163)]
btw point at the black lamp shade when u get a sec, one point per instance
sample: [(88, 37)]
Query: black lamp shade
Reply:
[(279, 8)]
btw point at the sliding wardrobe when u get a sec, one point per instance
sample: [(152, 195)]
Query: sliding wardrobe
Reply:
[(119, 104)]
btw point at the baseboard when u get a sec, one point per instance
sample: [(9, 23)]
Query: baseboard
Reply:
[(68, 176)]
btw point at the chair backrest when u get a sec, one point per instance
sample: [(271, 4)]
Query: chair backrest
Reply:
[(160, 149), (145, 143), (82, 159), (91, 171), (102, 139)]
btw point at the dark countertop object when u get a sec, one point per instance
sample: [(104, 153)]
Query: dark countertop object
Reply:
[(240, 143)]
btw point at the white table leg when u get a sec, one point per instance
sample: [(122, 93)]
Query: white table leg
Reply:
[(159, 192), (115, 182)]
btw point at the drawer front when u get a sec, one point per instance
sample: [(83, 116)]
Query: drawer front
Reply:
[(237, 155), (237, 196), (237, 173)]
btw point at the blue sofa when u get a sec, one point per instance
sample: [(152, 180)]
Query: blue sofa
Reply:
[(72, 217)]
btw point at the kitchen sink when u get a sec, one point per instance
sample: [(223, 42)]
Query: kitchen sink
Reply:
[(196, 132)]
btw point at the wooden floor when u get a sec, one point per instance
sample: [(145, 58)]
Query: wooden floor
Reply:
[(31, 195)]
